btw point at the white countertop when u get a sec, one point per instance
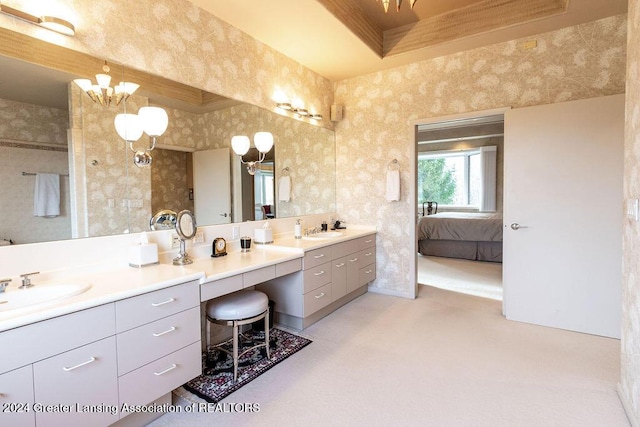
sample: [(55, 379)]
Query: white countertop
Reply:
[(124, 282)]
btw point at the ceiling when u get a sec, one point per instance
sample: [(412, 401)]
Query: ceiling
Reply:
[(345, 38)]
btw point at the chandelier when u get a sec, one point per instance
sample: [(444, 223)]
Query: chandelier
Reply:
[(385, 4), (102, 93)]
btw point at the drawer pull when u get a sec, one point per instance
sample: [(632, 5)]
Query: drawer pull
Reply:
[(319, 274), (318, 256), (159, 334), (158, 304), (93, 359), (368, 254), (368, 241), (319, 296), (353, 260), (340, 265), (369, 271), (170, 368)]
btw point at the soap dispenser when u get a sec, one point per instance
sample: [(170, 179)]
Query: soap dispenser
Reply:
[(298, 229)]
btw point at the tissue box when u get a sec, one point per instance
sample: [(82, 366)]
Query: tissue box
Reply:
[(141, 255), (263, 236)]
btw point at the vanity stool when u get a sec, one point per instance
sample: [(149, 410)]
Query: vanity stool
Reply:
[(237, 309)]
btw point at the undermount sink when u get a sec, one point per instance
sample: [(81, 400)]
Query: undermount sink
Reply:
[(324, 235), (15, 299)]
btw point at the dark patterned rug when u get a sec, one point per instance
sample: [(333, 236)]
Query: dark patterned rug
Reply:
[(216, 381)]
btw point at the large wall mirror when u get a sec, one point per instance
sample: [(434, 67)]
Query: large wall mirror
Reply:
[(48, 125)]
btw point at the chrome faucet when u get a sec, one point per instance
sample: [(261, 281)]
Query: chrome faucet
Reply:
[(4, 283), (26, 280)]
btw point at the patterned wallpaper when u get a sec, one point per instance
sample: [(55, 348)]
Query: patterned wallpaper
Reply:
[(578, 62), (169, 189), (24, 122), (630, 375)]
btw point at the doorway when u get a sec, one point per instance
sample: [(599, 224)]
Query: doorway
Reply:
[(451, 143)]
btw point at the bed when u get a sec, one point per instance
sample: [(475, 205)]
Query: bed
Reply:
[(474, 236)]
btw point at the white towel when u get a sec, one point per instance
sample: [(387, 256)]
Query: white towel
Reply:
[(46, 196), (284, 193), (393, 186)]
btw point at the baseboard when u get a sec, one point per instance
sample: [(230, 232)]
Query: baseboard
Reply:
[(401, 294), (627, 407)]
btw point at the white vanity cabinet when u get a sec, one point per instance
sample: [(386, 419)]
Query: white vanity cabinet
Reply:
[(331, 276), (16, 398), (58, 366), (158, 339)]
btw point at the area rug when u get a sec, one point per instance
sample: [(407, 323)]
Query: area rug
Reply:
[(216, 381)]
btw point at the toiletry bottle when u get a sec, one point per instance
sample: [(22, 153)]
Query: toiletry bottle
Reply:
[(298, 230)]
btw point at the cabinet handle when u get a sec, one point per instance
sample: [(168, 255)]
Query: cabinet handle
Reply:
[(318, 256), (368, 254), (93, 359), (319, 296), (158, 304), (340, 265), (319, 274), (159, 334), (368, 241), (170, 368), (369, 271), (353, 260)]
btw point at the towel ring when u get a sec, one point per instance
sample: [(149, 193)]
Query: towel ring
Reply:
[(394, 165), (286, 171)]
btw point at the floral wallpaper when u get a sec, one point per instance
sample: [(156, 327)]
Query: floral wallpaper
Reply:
[(169, 186), (583, 61), (24, 122), (630, 376)]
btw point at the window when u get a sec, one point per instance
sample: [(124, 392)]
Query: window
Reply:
[(456, 178)]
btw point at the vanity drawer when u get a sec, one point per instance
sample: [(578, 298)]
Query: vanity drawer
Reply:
[(16, 387), (367, 274), (83, 376), (316, 277), (340, 250), (316, 257), (136, 311), (54, 336), (139, 346), (317, 299), (367, 241), (288, 267), (252, 278), (158, 378), (220, 287), (367, 256)]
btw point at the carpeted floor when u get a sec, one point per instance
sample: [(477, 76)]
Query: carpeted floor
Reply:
[(216, 381), (483, 279), (443, 359)]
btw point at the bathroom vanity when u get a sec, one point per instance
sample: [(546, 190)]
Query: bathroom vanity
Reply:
[(135, 334)]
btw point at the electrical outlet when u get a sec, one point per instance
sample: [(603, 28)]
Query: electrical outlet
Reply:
[(175, 241), (236, 232), (199, 237)]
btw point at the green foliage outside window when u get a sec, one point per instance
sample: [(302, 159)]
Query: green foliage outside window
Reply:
[(436, 181)]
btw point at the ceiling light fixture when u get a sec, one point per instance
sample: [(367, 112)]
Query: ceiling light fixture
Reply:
[(385, 4), (298, 109), (241, 145), (50, 22), (102, 93)]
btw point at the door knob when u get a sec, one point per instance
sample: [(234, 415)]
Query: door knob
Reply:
[(224, 215), (516, 226)]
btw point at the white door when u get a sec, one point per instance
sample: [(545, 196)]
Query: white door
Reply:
[(563, 215), (212, 186)]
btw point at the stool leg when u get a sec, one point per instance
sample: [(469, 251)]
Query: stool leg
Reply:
[(235, 351), (208, 337), (266, 333)]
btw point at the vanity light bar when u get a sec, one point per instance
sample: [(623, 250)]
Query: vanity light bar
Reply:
[(50, 22), (299, 111)]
